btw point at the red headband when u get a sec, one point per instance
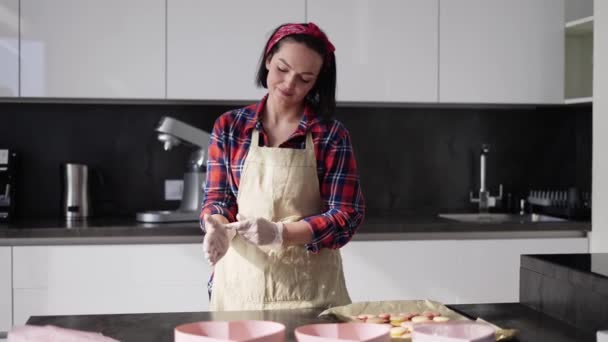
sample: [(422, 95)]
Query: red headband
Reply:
[(308, 29)]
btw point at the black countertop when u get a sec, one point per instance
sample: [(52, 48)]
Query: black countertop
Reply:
[(570, 287), (533, 326), (386, 227), (595, 264)]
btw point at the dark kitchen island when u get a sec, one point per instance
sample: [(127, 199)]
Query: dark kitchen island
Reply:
[(533, 325)]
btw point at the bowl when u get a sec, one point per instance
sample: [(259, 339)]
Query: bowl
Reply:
[(247, 330), (327, 332), (453, 332)]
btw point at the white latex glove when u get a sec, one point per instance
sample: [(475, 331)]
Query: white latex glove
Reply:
[(258, 230), (216, 242)]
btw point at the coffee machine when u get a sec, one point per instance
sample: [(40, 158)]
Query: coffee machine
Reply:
[(172, 132), (7, 184)]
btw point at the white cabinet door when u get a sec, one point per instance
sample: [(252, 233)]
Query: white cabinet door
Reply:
[(93, 49), (213, 47), (386, 50), (501, 51), (449, 271), (578, 9), (108, 279), (9, 48), (6, 302)]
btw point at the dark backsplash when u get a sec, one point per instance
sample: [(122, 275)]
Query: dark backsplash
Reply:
[(425, 160), (412, 160)]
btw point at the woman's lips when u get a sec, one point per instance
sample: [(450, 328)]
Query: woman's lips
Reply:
[(285, 93)]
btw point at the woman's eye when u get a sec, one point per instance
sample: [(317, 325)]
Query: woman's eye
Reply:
[(282, 70), (305, 81)]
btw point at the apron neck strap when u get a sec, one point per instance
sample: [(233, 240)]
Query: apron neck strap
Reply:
[(255, 140), (309, 144)]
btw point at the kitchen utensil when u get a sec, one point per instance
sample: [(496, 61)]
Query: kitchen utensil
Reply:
[(172, 132), (75, 201), (340, 332), (570, 204), (453, 332), (346, 312), (7, 184), (252, 331)]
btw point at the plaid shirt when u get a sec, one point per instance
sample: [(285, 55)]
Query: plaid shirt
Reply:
[(340, 188)]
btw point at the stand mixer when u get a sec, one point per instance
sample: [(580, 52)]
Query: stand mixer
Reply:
[(172, 132)]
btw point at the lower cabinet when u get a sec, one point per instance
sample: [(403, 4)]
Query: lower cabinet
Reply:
[(448, 271), (6, 303), (104, 279)]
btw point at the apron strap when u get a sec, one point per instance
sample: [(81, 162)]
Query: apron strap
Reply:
[(309, 144), (255, 138)]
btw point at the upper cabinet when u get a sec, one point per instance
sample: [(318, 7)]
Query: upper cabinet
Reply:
[(214, 47), (9, 48), (577, 9), (501, 51), (93, 49), (386, 50), (579, 51)]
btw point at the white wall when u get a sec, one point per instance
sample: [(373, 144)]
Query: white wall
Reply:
[(599, 238)]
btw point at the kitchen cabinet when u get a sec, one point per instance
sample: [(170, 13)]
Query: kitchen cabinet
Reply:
[(93, 49), (98, 279), (501, 51), (449, 271), (6, 302), (213, 48), (579, 52), (386, 51), (577, 9), (9, 49)]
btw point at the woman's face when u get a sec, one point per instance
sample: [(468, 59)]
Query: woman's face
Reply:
[(292, 72)]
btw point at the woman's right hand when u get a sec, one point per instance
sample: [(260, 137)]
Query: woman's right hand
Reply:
[(216, 241)]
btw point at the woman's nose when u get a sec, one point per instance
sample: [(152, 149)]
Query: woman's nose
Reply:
[(291, 81)]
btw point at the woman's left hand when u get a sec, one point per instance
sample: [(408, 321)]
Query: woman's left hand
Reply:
[(259, 230)]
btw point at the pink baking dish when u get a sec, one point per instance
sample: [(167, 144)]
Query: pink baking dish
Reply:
[(453, 332), (343, 332), (257, 331)]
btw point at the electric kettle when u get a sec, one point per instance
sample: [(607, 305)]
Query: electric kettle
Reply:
[(75, 199)]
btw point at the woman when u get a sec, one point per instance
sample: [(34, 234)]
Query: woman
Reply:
[(290, 173)]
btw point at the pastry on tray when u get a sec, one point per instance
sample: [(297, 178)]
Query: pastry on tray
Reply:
[(403, 315)]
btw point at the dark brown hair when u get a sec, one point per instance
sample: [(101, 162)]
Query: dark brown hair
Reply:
[(322, 96)]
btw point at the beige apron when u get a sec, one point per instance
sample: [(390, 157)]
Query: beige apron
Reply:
[(279, 184)]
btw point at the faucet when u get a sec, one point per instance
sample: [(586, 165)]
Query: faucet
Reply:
[(484, 199)]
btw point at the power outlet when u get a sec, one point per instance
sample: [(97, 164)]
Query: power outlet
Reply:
[(174, 189)]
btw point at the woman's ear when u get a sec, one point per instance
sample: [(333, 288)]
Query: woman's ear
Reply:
[(267, 62)]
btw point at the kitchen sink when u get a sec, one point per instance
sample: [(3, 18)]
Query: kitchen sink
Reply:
[(500, 218)]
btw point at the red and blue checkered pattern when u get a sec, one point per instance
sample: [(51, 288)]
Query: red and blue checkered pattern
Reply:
[(344, 205)]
